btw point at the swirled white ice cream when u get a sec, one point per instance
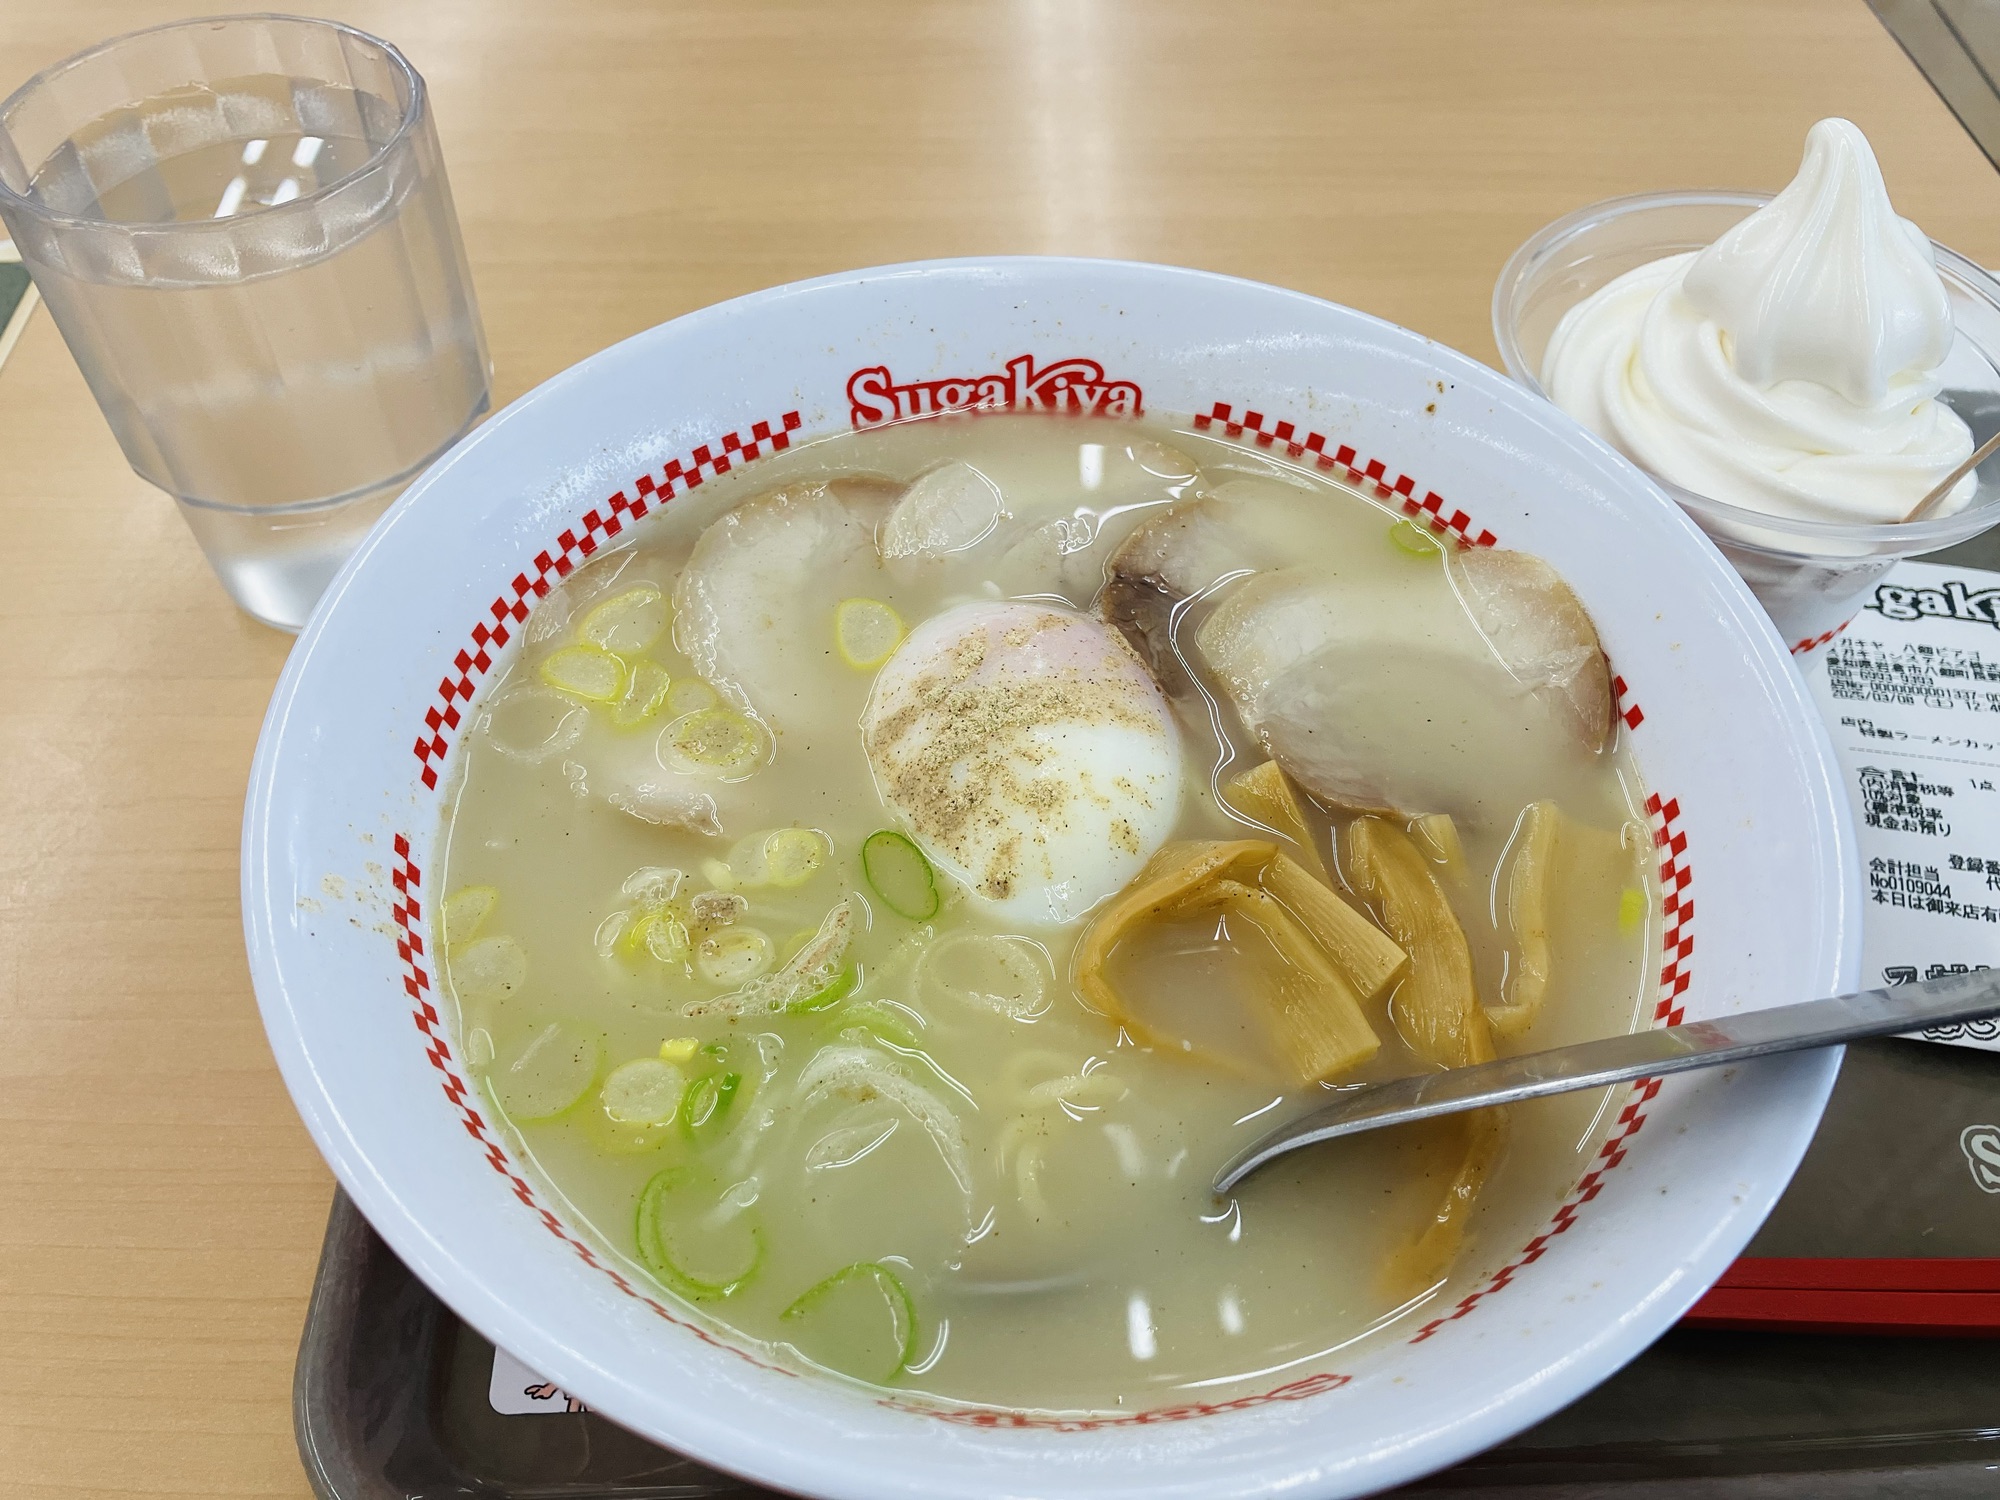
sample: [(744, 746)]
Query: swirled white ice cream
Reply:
[(1791, 367)]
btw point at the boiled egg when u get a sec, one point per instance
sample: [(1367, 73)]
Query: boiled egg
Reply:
[(1028, 752)]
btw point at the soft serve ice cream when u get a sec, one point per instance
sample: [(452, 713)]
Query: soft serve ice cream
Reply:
[(1791, 368)]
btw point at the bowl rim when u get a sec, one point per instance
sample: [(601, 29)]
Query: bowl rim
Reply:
[(1579, 1365), (1892, 537)]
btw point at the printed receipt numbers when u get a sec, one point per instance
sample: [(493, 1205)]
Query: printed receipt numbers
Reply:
[(1911, 695)]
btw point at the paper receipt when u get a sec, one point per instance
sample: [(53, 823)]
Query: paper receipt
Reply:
[(1911, 695), (514, 1390)]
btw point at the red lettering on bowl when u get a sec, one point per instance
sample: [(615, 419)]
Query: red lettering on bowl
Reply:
[(1069, 387)]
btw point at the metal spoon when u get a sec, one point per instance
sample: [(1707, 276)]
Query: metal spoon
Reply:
[(1644, 1054)]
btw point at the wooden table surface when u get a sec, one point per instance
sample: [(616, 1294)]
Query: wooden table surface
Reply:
[(616, 163)]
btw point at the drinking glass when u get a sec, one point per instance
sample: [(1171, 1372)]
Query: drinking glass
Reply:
[(241, 226)]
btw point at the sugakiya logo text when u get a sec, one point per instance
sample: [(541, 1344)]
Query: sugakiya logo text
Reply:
[(1069, 387), (1952, 602)]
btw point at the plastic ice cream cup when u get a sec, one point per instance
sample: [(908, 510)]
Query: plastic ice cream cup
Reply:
[(1811, 576)]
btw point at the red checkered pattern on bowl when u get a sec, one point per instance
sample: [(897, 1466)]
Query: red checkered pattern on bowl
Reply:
[(1678, 946), (1800, 648), (681, 475), (574, 546), (994, 1417), (408, 911), (1368, 474)]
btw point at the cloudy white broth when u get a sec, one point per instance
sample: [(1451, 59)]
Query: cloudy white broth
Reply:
[(883, 892)]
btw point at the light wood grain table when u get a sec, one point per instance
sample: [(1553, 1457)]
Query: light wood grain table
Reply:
[(616, 163)]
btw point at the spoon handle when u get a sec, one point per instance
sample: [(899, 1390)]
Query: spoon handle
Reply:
[(1643, 1054)]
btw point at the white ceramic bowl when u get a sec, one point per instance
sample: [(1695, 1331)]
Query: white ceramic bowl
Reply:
[(342, 825)]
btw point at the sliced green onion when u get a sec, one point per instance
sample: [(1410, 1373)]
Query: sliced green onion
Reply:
[(486, 970), (734, 955), (705, 1105), (898, 872), (881, 1021), (866, 632), (653, 887), (666, 939), (465, 912), (807, 974), (1631, 909), (860, 1321), (645, 694), (659, 933), (701, 1261), (713, 742), (639, 1109), (628, 622), (690, 695), (587, 672), (554, 1071), (645, 1091), (835, 990), (793, 855), (1416, 540), (784, 857)]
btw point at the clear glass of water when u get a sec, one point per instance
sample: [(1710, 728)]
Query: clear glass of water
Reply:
[(242, 227)]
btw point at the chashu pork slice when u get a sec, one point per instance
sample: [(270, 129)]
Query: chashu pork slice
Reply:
[(1180, 553), (1414, 689), (1542, 634), (754, 606), (1380, 693), (950, 509)]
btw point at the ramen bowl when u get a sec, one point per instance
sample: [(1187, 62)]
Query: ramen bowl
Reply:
[(342, 845)]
